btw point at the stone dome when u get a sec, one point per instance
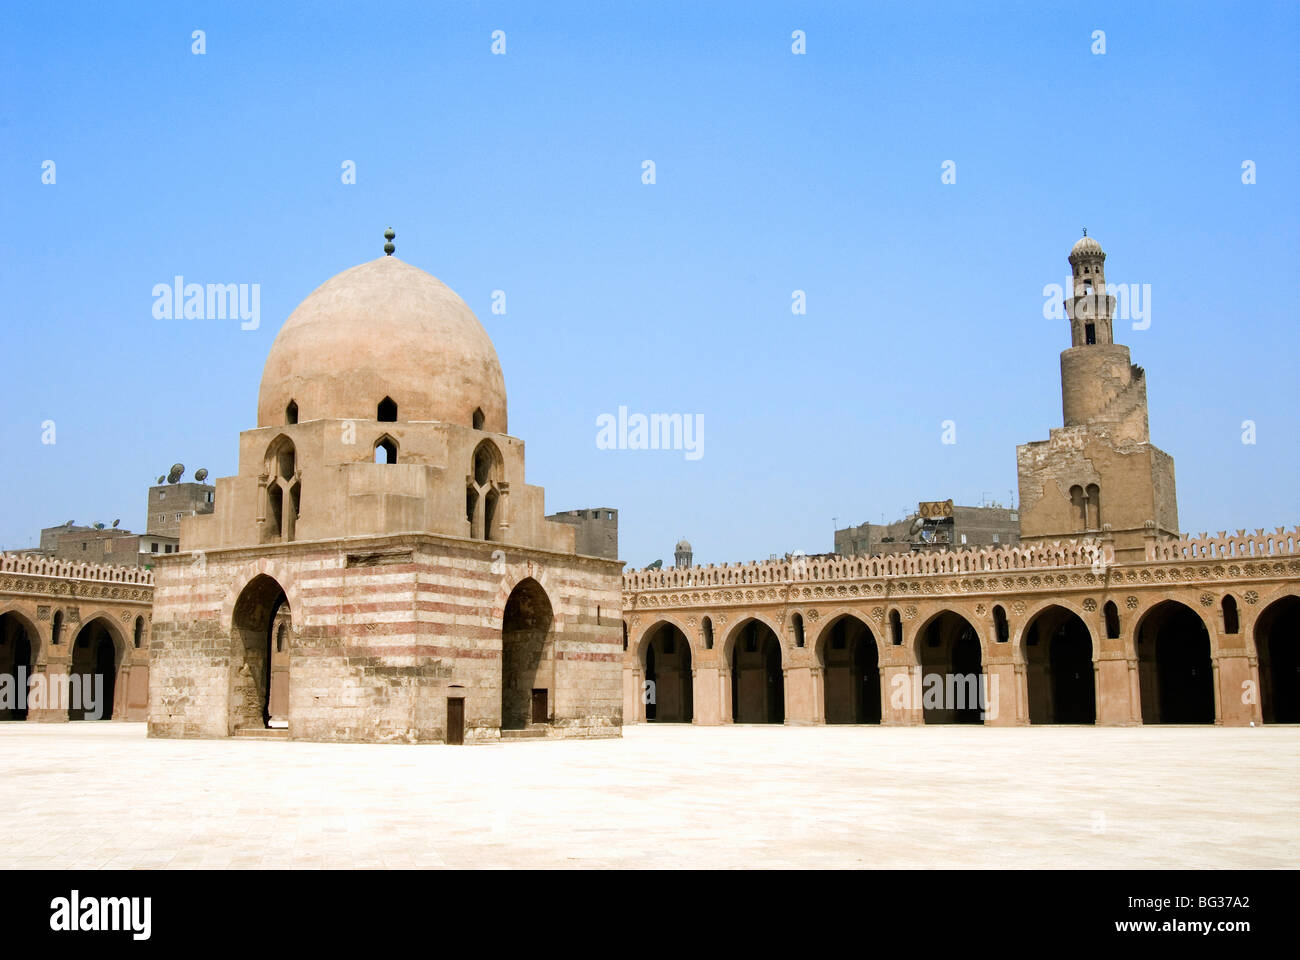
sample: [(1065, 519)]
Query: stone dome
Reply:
[(1085, 246), (684, 546), (383, 329)]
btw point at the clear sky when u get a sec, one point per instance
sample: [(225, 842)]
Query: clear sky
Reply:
[(775, 172)]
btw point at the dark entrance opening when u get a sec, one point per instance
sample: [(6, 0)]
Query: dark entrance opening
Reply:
[(850, 672), (757, 677), (527, 658), (668, 669), (17, 659), (1174, 668), (455, 720), (1058, 666), (260, 609), (1277, 643), (92, 682), (952, 670)]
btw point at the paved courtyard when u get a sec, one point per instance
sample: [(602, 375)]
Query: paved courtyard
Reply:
[(93, 795)]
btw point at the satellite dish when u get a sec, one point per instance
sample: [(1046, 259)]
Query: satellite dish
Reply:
[(162, 480), (99, 524), (177, 471), (917, 524), (70, 523), (116, 522), (201, 474)]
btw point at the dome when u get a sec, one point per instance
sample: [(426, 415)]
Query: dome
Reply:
[(684, 545), (1085, 246), (383, 329)]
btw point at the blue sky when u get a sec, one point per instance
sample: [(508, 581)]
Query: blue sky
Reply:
[(774, 173)]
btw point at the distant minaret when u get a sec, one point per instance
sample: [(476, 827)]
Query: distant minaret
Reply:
[(1090, 310), (1099, 475), (683, 553), (1098, 380)]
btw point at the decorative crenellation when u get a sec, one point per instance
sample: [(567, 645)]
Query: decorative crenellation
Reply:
[(1083, 564), (1072, 553), (66, 569), (1282, 542)]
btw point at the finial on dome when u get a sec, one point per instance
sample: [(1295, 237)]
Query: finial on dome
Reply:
[(388, 247), (1085, 231)]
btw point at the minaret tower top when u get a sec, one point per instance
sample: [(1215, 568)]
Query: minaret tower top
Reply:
[(1090, 309)]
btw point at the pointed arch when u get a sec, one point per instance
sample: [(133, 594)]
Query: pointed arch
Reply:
[(848, 653), (754, 658), (386, 449), (1277, 645), (1174, 650), (257, 609), (950, 652), (528, 628), (99, 657), (1059, 653)]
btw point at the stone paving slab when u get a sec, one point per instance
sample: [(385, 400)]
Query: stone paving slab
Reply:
[(103, 795)]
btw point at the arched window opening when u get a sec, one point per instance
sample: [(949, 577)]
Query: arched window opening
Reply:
[(708, 634), (478, 419), (1078, 508), (485, 498), (57, 629), (291, 412), (275, 511), (281, 459), (1000, 629), (1089, 333), (1231, 623), (1094, 507), (798, 630), (895, 628), (484, 461), (490, 515), (385, 450), (279, 639), (280, 507), (139, 632), (1112, 620), (295, 493), (387, 412)]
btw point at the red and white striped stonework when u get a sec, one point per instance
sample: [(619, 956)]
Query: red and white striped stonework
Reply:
[(383, 632)]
